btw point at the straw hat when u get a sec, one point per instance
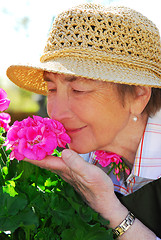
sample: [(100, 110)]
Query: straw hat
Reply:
[(114, 44)]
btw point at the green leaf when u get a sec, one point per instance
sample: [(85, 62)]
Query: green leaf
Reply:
[(86, 213), (27, 168), (68, 234), (41, 203), (22, 219), (2, 140), (56, 153), (13, 212), (17, 177), (103, 221), (5, 170), (12, 169), (50, 183), (46, 233), (2, 130), (9, 205), (10, 190), (61, 210), (97, 232)]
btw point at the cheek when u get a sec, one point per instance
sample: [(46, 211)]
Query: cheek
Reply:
[(89, 108), (49, 107), (83, 109), (109, 117)]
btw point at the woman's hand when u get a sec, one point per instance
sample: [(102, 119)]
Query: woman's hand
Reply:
[(90, 181), (96, 188)]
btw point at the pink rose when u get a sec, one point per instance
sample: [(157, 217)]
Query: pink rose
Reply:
[(4, 101), (35, 138)]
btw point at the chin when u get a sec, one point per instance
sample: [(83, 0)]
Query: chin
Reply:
[(80, 149)]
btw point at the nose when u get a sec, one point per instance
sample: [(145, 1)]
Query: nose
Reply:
[(59, 107)]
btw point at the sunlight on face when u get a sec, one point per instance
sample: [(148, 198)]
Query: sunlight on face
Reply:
[(90, 110)]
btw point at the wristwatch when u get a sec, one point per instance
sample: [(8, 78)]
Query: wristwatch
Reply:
[(124, 225)]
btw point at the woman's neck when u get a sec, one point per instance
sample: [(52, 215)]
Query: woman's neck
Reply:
[(127, 142)]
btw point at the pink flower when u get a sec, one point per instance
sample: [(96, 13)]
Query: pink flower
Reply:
[(118, 177), (114, 160), (117, 170), (120, 166), (4, 101), (117, 159), (105, 158), (35, 138), (5, 120), (127, 170)]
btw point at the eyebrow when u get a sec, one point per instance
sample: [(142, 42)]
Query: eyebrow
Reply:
[(67, 78), (70, 78)]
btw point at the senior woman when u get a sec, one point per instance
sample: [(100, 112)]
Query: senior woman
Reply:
[(101, 72)]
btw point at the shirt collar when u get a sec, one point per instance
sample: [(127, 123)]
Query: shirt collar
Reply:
[(147, 162)]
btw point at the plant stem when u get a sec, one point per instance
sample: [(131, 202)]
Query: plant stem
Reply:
[(4, 155), (37, 173), (44, 222), (1, 177), (110, 170), (2, 161), (27, 233)]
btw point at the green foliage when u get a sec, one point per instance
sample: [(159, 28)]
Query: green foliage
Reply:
[(2, 139), (36, 204), (24, 101)]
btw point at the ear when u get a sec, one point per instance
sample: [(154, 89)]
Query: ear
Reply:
[(140, 99)]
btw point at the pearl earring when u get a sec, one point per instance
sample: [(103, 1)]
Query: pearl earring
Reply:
[(135, 118)]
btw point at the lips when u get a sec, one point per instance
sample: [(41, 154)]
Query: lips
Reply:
[(74, 130)]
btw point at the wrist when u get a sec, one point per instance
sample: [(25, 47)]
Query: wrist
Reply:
[(114, 211), (118, 213)]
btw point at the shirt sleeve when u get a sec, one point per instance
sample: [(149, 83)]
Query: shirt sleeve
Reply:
[(85, 156), (158, 238)]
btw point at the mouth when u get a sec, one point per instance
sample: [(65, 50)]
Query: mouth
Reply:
[(74, 130)]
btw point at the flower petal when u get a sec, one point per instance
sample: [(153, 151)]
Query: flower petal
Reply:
[(4, 104), (12, 133), (30, 154), (49, 143), (18, 156), (31, 133)]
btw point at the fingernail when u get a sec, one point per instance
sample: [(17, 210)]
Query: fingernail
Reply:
[(66, 153)]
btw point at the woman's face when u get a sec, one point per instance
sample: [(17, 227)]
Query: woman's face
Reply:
[(90, 110)]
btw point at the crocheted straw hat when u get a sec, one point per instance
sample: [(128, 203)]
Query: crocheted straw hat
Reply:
[(114, 44)]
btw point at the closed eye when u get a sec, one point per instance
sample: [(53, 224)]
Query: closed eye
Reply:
[(78, 91), (52, 90)]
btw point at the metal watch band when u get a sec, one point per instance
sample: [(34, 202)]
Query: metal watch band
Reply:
[(124, 225)]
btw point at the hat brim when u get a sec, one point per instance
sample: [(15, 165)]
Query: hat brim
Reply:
[(30, 76)]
